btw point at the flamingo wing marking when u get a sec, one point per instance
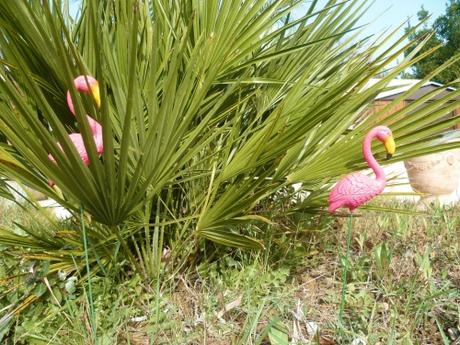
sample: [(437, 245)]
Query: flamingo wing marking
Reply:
[(355, 189)]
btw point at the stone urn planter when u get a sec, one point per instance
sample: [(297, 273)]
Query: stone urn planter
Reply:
[(436, 175)]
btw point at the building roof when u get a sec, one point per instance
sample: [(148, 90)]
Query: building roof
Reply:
[(398, 86)]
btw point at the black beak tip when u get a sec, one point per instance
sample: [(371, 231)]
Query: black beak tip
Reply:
[(389, 155)]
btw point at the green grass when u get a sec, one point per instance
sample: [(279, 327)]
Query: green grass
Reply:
[(402, 287)]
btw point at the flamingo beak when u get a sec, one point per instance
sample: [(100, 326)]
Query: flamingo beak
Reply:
[(390, 146), (96, 94)]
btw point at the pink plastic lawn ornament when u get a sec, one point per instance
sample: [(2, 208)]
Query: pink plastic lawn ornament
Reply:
[(77, 140), (356, 189), (85, 84)]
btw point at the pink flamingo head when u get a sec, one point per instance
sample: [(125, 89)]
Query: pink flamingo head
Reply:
[(384, 135), (356, 189), (85, 84)]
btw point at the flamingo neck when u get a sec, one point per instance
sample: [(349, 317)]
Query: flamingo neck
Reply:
[(70, 103), (96, 128), (369, 157)]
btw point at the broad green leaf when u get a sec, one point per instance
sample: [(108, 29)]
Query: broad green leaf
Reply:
[(230, 238)]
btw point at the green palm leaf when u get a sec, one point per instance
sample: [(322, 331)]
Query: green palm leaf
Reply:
[(208, 108)]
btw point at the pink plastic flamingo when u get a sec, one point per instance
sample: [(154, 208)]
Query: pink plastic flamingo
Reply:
[(86, 84), (356, 189)]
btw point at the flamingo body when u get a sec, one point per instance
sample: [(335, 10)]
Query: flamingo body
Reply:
[(353, 191), (77, 140)]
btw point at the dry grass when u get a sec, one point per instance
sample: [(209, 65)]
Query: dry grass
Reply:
[(409, 294), (403, 287)]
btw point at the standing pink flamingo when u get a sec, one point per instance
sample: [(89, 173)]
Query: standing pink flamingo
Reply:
[(356, 189), (85, 84)]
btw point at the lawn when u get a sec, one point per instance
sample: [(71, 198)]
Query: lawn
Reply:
[(402, 287)]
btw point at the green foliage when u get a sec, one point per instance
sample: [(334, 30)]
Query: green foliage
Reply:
[(443, 33), (277, 334), (211, 111), (382, 258)]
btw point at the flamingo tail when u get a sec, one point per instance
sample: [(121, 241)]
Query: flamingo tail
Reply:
[(334, 206)]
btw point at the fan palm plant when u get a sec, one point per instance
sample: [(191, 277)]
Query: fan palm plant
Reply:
[(207, 108)]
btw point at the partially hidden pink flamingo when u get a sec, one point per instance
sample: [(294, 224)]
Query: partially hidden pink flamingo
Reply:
[(85, 84), (355, 189)]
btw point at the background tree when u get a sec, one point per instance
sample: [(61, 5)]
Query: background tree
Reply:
[(445, 32)]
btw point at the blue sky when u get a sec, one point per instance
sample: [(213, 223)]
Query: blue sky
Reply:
[(386, 15), (391, 13)]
